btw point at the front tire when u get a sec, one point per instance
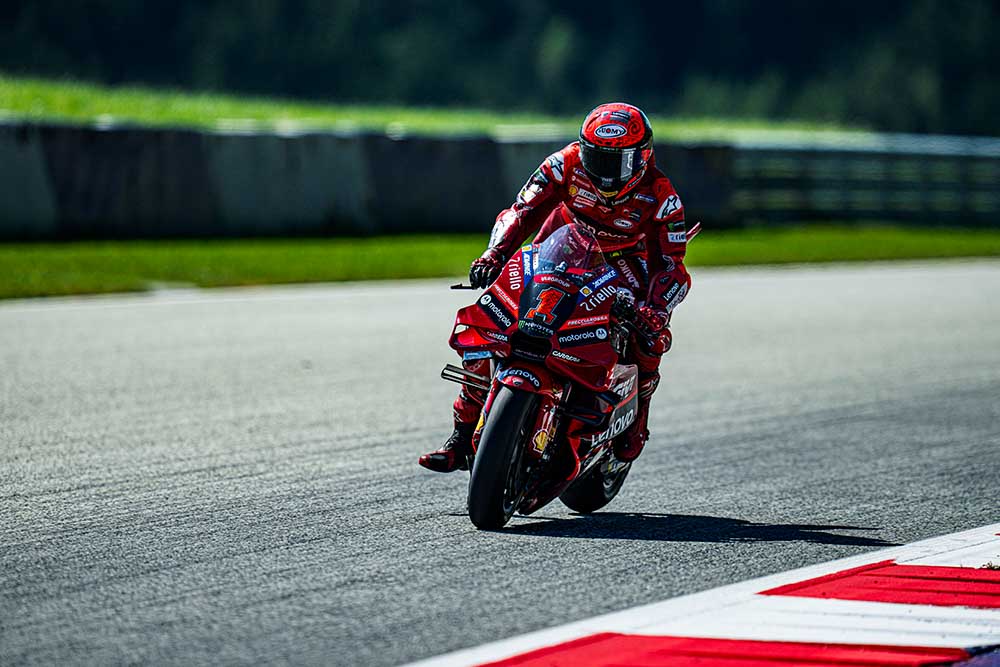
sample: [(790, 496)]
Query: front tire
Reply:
[(598, 487), (497, 474)]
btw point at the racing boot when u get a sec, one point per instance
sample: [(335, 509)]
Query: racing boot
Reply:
[(455, 453), (629, 445)]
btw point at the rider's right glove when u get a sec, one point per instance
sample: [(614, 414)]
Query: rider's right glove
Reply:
[(485, 270)]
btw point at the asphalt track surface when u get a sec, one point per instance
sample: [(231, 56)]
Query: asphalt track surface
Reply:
[(230, 476)]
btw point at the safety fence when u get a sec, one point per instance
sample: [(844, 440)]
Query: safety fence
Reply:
[(67, 181)]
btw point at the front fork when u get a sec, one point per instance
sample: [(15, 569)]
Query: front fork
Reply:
[(520, 377)]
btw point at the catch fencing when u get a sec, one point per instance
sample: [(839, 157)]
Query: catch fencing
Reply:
[(72, 182)]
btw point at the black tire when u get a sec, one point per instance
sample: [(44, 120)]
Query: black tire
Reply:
[(495, 474), (595, 489)]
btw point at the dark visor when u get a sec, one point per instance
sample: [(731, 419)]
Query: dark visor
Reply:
[(612, 167)]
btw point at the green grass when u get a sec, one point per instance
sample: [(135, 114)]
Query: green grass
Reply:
[(42, 100), (42, 269)]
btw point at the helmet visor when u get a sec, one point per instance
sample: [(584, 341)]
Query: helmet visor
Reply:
[(610, 168)]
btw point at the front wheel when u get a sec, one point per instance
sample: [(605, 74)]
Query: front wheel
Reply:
[(497, 480), (598, 487)]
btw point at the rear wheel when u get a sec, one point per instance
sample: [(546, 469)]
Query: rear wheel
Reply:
[(498, 475), (597, 487)]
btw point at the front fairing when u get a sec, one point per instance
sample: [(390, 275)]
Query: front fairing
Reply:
[(550, 305)]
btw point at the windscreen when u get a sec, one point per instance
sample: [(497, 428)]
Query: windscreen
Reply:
[(572, 249)]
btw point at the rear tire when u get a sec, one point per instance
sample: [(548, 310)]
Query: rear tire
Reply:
[(493, 487), (597, 488)]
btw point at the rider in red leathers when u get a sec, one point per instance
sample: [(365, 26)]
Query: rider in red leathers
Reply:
[(607, 180)]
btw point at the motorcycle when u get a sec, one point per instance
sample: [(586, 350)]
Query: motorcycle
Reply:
[(555, 325)]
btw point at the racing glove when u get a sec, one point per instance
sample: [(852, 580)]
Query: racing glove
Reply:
[(485, 270), (651, 325)]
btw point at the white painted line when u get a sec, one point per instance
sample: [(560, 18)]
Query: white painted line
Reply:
[(737, 611), (783, 618)]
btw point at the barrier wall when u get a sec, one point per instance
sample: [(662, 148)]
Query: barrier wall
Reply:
[(64, 181)]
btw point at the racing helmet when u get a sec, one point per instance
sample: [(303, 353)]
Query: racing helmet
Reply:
[(616, 144)]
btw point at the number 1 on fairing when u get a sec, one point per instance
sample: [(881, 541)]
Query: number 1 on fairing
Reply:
[(548, 299)]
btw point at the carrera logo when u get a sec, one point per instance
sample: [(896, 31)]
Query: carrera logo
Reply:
[(610, 131), (558, 354)]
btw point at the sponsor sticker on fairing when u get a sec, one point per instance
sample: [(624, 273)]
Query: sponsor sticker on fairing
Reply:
[(527, 375), (677, 237), (534, 328), (500, 316), (476, 354), (583, 337), (585, 321), (514, 276), (559, 354), (602, 279), (506, 298), (625, 387), (617, 427), (599, 297)]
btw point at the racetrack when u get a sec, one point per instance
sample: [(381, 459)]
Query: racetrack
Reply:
[(230, 476)]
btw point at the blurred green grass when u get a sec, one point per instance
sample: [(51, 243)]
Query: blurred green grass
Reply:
[(46, 269), (47, 100)]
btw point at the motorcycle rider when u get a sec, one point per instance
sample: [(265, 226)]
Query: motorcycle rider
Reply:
[(608, 181)]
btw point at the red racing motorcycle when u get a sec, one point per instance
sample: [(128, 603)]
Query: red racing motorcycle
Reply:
[(555, 324)]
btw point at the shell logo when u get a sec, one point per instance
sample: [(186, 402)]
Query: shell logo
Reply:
[(573, 190), (540, 441)]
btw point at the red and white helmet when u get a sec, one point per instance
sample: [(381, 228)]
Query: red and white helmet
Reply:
[(616, 144)]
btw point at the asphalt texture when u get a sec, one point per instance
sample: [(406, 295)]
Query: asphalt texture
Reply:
[(230, 476)]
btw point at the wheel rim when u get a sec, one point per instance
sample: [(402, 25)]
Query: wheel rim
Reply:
[(513, 494)]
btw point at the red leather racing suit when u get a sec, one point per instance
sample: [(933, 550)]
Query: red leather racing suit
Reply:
[(642, 234)]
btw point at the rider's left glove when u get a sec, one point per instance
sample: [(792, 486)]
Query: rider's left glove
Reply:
[(485, 270)]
